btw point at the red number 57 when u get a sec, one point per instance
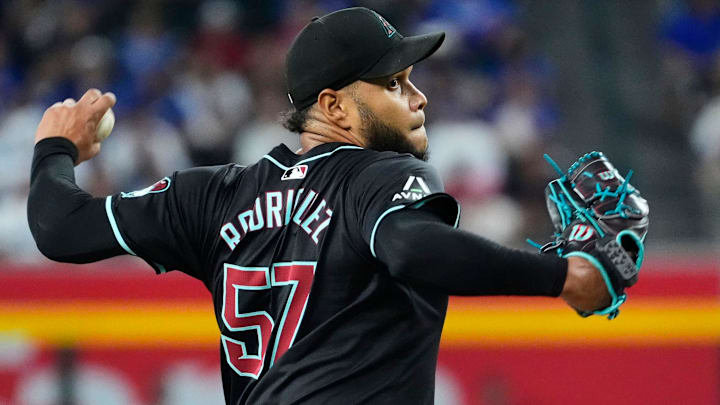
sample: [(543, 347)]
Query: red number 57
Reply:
[(242, 280)]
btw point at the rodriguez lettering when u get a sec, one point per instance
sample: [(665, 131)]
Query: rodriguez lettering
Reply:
[(277, 209)]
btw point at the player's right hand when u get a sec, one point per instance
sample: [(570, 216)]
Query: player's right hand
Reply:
[(77, 121)]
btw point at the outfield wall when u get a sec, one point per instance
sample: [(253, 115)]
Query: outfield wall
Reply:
[(138, 338)]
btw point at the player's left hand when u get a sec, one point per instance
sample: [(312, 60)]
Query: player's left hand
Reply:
[(601, 218), (77, 121)]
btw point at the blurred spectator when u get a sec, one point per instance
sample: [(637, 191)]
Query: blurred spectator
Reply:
[(10, 77), (705, 142), (218, 40), (693, 30), (17, 129), (691, 39), (213, 103), (143, 149), (473, 165), (264, 132), (92, 63), (691, 66), (145, 52)]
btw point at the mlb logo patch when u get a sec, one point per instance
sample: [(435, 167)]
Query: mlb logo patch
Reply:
[(295, 173)]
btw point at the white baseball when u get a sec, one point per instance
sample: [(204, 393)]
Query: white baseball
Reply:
[(105, 126)]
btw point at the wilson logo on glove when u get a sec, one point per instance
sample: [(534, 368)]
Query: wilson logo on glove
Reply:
[(607, 175), (581, 233)]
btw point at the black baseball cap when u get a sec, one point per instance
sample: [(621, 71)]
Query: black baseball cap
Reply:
[(339, 48)]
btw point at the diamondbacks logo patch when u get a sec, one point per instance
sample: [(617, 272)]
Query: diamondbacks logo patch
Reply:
[(158, 187), (389, 29), (414, 189), (295, 173)]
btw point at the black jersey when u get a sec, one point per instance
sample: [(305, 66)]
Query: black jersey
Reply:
[(306, 312)]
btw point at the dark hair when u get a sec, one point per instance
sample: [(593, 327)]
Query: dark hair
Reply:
[(294, 120)]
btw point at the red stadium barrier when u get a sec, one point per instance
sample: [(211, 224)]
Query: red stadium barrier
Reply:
[(143, 336)]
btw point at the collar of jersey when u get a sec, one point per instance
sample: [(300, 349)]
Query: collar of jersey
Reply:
[(284, 158)]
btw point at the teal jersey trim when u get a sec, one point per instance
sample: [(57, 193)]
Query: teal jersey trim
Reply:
[(457, 219), (160, 267), (118, 236), (275, 162), (372, 235), (282, 166), (113, 225), (327, 154)]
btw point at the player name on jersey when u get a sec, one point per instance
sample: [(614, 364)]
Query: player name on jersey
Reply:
[(277, 209)]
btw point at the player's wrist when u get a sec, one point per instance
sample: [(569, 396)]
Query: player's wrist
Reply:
[(54, 145)]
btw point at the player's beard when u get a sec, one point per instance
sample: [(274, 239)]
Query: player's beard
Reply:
[(382, 137)]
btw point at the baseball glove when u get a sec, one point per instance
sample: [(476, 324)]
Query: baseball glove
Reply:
[(598, 215)]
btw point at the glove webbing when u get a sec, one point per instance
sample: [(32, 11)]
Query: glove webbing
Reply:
[(621, 193)]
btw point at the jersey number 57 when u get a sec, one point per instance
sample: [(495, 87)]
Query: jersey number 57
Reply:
[(242, 280)]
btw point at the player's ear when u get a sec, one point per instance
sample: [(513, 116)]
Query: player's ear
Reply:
[(335, 106)]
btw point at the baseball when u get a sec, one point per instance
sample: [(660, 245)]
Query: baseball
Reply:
[(105, 125)]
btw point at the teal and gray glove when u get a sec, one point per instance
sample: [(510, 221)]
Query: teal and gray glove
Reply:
[(598, 215)]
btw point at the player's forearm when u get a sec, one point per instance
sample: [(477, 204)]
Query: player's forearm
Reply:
[(421, 250), (68, 224)]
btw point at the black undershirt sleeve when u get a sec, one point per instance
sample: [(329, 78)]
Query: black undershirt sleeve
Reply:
[(68, 224), (420, 249)]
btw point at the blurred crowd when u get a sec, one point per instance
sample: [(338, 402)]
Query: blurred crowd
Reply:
[(690, 35), (201, 83)]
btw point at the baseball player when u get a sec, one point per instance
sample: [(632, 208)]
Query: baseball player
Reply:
[(330, 267)]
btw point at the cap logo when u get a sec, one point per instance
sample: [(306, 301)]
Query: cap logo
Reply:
[(389, 29)]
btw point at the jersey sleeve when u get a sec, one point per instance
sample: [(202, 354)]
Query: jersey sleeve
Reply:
[(400, 182), (166, 223)]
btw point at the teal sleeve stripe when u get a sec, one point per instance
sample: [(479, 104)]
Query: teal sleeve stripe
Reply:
[(457, 218), (372, 235), (161, 268), (327, 154), (113, 224)]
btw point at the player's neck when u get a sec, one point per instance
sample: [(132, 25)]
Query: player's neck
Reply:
[(318, 133)]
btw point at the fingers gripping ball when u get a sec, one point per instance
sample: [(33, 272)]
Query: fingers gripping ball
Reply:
[(105, 126)]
